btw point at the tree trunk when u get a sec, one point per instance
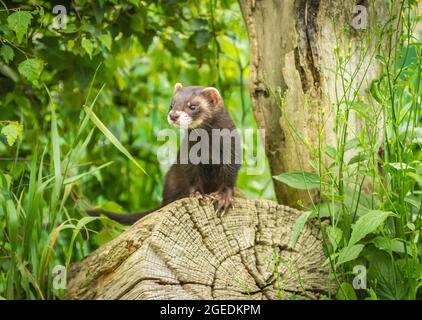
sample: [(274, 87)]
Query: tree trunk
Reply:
[(184, 251), (293, 45)]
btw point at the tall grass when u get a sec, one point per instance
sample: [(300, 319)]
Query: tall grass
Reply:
[(38, 235), (371, 185)]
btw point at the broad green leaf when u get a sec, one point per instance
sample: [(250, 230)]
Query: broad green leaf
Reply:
[(334, 235), (331, 152), (106, 40), (112, 138), (358, 158), (410, 268), (87, 45), (391, 245), (367, 224), (352, 144), (31, 69), (19, 22), (362, 109), (416, 177), (300, 180), (7, 53), (349, 253), (413, 200), (202, 37), (382, 271), (346, 292), (400, 166), (12, 132), (297, 229)]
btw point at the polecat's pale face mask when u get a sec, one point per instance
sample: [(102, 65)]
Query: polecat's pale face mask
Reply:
[(189, 108)]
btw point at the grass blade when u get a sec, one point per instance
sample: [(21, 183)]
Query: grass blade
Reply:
[(110, 136)]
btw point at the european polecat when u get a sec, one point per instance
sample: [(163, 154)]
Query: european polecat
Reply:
[(201, 111)]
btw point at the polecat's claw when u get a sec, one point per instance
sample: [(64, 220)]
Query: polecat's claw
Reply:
[(222, 201), (200, 196)]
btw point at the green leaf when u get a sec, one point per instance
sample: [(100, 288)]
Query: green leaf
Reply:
[(363, 109), (417, 135), (80, 176), (198, 24), (331, 152), (391, 245), (416, 177), (81, 224), (19, 22), (31, 69), (135, 2), (112, 138), (300, 180), (7, 53), (349, 253), (111, 206), (297, 229), (87, 45), (399, 166), (346, 292), (12, 131), (334, 235), (104, 236), (375, 92), (389, 283), (202, 37), (106, 40), (358, 158), (368, 223)]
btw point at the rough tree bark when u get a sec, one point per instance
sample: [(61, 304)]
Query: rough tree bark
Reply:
[(184, 251), (292, 46)]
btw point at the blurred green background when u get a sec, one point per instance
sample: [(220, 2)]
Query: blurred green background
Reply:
[(51, 157)]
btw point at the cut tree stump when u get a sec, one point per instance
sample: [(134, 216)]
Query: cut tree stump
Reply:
[(185, 251)]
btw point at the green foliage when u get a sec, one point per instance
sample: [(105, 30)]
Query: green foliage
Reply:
[(367, 224), (81, 103), (31, 69), (19, 22), (12, 131), (300, 180), (7, 53), (370, 188)]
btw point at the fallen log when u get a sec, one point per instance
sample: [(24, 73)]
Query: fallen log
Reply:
[(185, 251)]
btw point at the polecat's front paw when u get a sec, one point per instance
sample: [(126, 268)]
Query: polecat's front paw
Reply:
[(199, 196), (222, 200)]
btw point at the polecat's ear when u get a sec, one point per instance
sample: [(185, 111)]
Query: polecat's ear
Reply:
[(177, 87), (212, 94)]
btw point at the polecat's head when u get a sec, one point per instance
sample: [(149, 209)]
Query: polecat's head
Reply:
[(193, 107)]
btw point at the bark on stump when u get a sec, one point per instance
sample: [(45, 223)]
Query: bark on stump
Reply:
[(184, 251), (293, 49)]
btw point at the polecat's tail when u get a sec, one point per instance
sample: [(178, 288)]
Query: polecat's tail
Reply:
[(123, 218)]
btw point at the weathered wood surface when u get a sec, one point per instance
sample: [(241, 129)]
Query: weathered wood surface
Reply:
[(184, 251)]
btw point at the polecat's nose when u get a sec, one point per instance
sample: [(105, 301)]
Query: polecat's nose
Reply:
[(173, 116)]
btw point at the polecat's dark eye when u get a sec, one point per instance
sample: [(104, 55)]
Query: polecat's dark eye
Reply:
[(191, 106)]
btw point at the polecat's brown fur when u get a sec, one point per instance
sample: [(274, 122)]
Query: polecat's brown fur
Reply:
[(197, 108)]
